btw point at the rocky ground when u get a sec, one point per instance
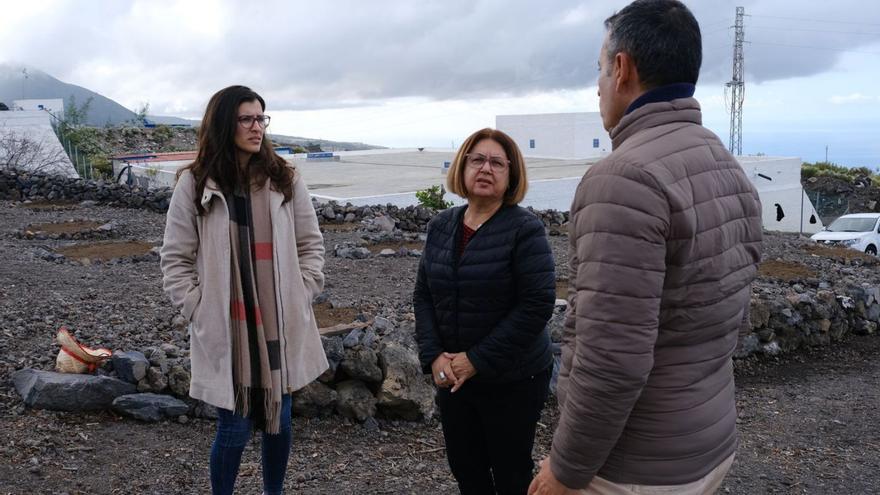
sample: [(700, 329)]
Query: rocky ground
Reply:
[(807, 418)]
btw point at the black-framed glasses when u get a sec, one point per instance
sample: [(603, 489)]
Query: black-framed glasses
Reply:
[(247, 121), (496, 163)]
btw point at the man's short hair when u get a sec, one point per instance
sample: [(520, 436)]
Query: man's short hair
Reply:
[(663, 39)]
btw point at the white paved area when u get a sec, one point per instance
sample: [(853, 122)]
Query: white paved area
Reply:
[(393, 176)]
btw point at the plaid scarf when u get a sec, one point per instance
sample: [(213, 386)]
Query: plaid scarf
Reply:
[(256, 352)]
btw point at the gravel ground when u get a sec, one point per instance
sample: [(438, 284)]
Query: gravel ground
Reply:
[(807, 420)]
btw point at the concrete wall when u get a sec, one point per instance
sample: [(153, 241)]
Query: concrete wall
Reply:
[(783, 188), (557, 135), (35, 127)]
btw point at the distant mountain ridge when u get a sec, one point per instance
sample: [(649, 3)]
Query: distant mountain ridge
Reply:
[(103, 111), (325, 144), (39, 85)]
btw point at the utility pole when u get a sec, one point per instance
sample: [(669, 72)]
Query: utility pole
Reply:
[(737, 86), (23, 81)]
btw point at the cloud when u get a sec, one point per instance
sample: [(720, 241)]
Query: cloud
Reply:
[(852, 98), (348, 53)]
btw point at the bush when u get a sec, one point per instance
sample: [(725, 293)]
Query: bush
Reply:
[(826, 169), (432, 197), (102, 165), (162, 134)]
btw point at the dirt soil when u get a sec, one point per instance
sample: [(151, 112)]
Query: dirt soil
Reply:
[(52, 205), (105, 250), (65, 227), (784, 270), (327, 316), (378, 247), (561, 289), (807, 420), (340, 227)]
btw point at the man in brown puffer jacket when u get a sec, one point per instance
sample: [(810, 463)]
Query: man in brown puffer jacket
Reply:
[(665, 239)]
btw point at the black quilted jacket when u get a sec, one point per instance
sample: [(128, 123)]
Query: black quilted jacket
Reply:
[(494, 302)]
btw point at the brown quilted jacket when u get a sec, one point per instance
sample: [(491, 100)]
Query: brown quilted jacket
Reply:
[(665, 240)]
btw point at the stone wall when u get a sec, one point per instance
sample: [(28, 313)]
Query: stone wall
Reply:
[(21, 186), (802, 316)]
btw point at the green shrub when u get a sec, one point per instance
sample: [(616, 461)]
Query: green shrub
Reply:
[(432, 197), (102, 165), (827, 169), (162, 133)]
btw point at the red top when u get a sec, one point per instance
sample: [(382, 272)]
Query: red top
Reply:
[(466, 234)]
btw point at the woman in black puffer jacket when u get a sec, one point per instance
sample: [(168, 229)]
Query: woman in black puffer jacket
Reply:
[(484, 293)]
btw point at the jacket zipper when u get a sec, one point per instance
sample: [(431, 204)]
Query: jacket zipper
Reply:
[(456, 238)]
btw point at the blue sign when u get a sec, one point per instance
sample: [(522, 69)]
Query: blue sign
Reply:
[(323, 154)]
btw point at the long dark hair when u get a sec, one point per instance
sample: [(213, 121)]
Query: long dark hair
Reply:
[(217, 154)]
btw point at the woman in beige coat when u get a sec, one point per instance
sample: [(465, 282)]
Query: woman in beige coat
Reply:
[(242, 260)]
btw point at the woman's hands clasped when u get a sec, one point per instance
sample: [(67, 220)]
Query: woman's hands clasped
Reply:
[(452, 370), (441, 369)]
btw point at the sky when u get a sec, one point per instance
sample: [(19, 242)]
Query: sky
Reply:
[(428, 73)]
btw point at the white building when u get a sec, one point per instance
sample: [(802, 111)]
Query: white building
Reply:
[(55, 106), (566, 136), (786, 208), (28, 142)]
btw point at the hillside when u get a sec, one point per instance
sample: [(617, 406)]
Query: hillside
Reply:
[(98, 144), (39, 85), (102, 110), (835, 190), (324, 144)]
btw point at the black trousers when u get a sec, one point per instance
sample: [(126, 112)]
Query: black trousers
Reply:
[(490, 430)]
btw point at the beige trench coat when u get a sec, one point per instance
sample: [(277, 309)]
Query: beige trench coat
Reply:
[(196, 268)]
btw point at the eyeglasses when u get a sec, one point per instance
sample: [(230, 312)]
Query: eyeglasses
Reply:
[(247, 121), (496, 163)]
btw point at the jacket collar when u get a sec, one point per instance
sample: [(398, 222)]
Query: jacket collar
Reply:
[(211, 190), (685, 110), (667, 92)]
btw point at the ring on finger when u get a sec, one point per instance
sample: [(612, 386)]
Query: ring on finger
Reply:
[(442, 376)]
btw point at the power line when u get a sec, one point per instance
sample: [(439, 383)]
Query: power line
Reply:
[(816, 20), (704, 26), (814, 47), (715, 31), (775, 28)]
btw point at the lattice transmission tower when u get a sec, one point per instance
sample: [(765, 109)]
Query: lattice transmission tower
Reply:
[(737, 85)]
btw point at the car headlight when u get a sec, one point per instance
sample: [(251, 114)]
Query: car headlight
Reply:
[(849, 242)]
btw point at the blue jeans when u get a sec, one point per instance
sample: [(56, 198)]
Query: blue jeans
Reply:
[(233, 433)]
